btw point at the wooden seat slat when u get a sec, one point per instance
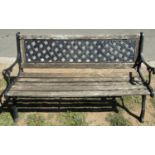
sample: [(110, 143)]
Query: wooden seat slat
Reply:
[(80, 73), (102, 83), (77, 93), (75, 87)]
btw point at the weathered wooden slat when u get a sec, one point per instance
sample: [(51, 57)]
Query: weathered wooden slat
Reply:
[(42, 75), (62, 37), (75, 88), (75, 84), (76, 74), (48, 80), (23, 51), (77, 93), (78, 65), (79, 71)]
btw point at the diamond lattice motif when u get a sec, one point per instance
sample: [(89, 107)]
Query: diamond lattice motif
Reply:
[(79, 51)]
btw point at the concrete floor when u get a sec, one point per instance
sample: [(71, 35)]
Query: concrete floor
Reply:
[(8, 42)]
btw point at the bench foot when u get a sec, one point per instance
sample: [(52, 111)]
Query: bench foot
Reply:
[(13, 110), (14, 113), (142, 109)]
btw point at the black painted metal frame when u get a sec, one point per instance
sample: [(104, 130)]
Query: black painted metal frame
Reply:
[(10, 80), (138, 64), (7, 72), (141, 61), (151, 70)]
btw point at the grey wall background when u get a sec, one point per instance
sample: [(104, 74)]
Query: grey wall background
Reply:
[(8, 42)]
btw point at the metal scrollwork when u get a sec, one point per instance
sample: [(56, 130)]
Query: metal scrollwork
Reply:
[(138, 65), (7, 72), (9, 80), (151, 70)]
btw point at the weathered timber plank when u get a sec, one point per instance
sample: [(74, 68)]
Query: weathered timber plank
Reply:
[(78, 65), (98, 74), (78, 70), (76, 84), (75, 88), (62, 37), (23, 51), (47, 80), (77, 93)]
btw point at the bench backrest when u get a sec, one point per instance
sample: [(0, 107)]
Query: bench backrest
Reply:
[(118, 51)]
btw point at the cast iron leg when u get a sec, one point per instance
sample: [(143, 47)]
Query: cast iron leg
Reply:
[(13, 109), (143, 109), (0, 109)]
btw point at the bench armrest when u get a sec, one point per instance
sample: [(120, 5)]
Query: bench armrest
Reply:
[(8, 78), (150, 69), (7, 72)]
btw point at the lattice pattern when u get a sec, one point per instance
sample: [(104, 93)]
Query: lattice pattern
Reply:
[(79, 51)]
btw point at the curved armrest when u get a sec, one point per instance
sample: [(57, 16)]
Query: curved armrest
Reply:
[(150, 69), (7, 72), (10, 67), (140, 60), (147, 65), (7, 76)]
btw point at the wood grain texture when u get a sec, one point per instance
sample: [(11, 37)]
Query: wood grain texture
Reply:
[(62, 37), (69, 79), (78, 65), (28, 87), (35, 85), (50, 84), (77, 73), (77, 93)]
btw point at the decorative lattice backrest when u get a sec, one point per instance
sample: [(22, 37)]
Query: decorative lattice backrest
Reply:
[(78, 50)]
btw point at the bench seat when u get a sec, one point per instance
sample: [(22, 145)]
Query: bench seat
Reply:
[(82, 83)]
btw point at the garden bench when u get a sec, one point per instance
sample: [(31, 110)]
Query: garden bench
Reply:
[(78, 66)]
